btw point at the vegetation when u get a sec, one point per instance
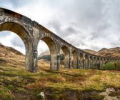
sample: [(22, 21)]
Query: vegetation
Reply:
[(75, 84), (111, 66)]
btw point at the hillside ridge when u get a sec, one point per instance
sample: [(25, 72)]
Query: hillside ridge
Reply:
[(111, 52)]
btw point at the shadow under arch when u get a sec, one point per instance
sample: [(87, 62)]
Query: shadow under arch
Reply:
[(66, 59), (53, 52), (24, 34)]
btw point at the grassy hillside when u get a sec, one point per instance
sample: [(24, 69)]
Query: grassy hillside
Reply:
[(73, 84), (18, 84)]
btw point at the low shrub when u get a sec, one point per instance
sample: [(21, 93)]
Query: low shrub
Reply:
[(111, 66)]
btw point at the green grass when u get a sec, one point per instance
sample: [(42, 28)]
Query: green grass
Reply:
[(111, 66)]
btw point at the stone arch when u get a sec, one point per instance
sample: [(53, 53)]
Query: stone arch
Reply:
[(66, 56), (74, 59), (24, 34), (54, 64)]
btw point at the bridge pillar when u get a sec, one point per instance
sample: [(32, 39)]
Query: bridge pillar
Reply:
[(55, 61), (84, 61), (31, 58), (89, 61), (93, 62), (70, 61), (67, 61), (103, 61), (81, 60), (98, 63)]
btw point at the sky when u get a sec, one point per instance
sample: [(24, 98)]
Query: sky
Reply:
[(86, 24)]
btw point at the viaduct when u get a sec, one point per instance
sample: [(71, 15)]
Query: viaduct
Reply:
[(31, 33)]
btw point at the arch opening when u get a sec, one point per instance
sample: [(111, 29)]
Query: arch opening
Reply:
[(44, 56), (64, 57), (12, 49), (74, 59), (24, 36), (52, 53)]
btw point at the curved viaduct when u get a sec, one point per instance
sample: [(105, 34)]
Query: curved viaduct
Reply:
[(31, 33)]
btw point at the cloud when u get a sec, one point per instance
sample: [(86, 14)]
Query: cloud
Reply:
[(3, 34), (16, 41), (11, 39), (63, 31), (13, 4), (87, 24), (42, 46)]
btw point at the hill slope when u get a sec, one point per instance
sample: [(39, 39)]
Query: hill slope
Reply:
[(73, 84), (112, 52), (10, 56)]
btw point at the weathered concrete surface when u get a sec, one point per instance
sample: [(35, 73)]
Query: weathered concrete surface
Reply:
[(31, 33)]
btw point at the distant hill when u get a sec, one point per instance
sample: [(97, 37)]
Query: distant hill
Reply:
[(46, 55), (9, 55), (90, 51), (111, 52), (8, 50)]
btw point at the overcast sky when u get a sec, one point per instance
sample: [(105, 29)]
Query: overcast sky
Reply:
[(87, 24)]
